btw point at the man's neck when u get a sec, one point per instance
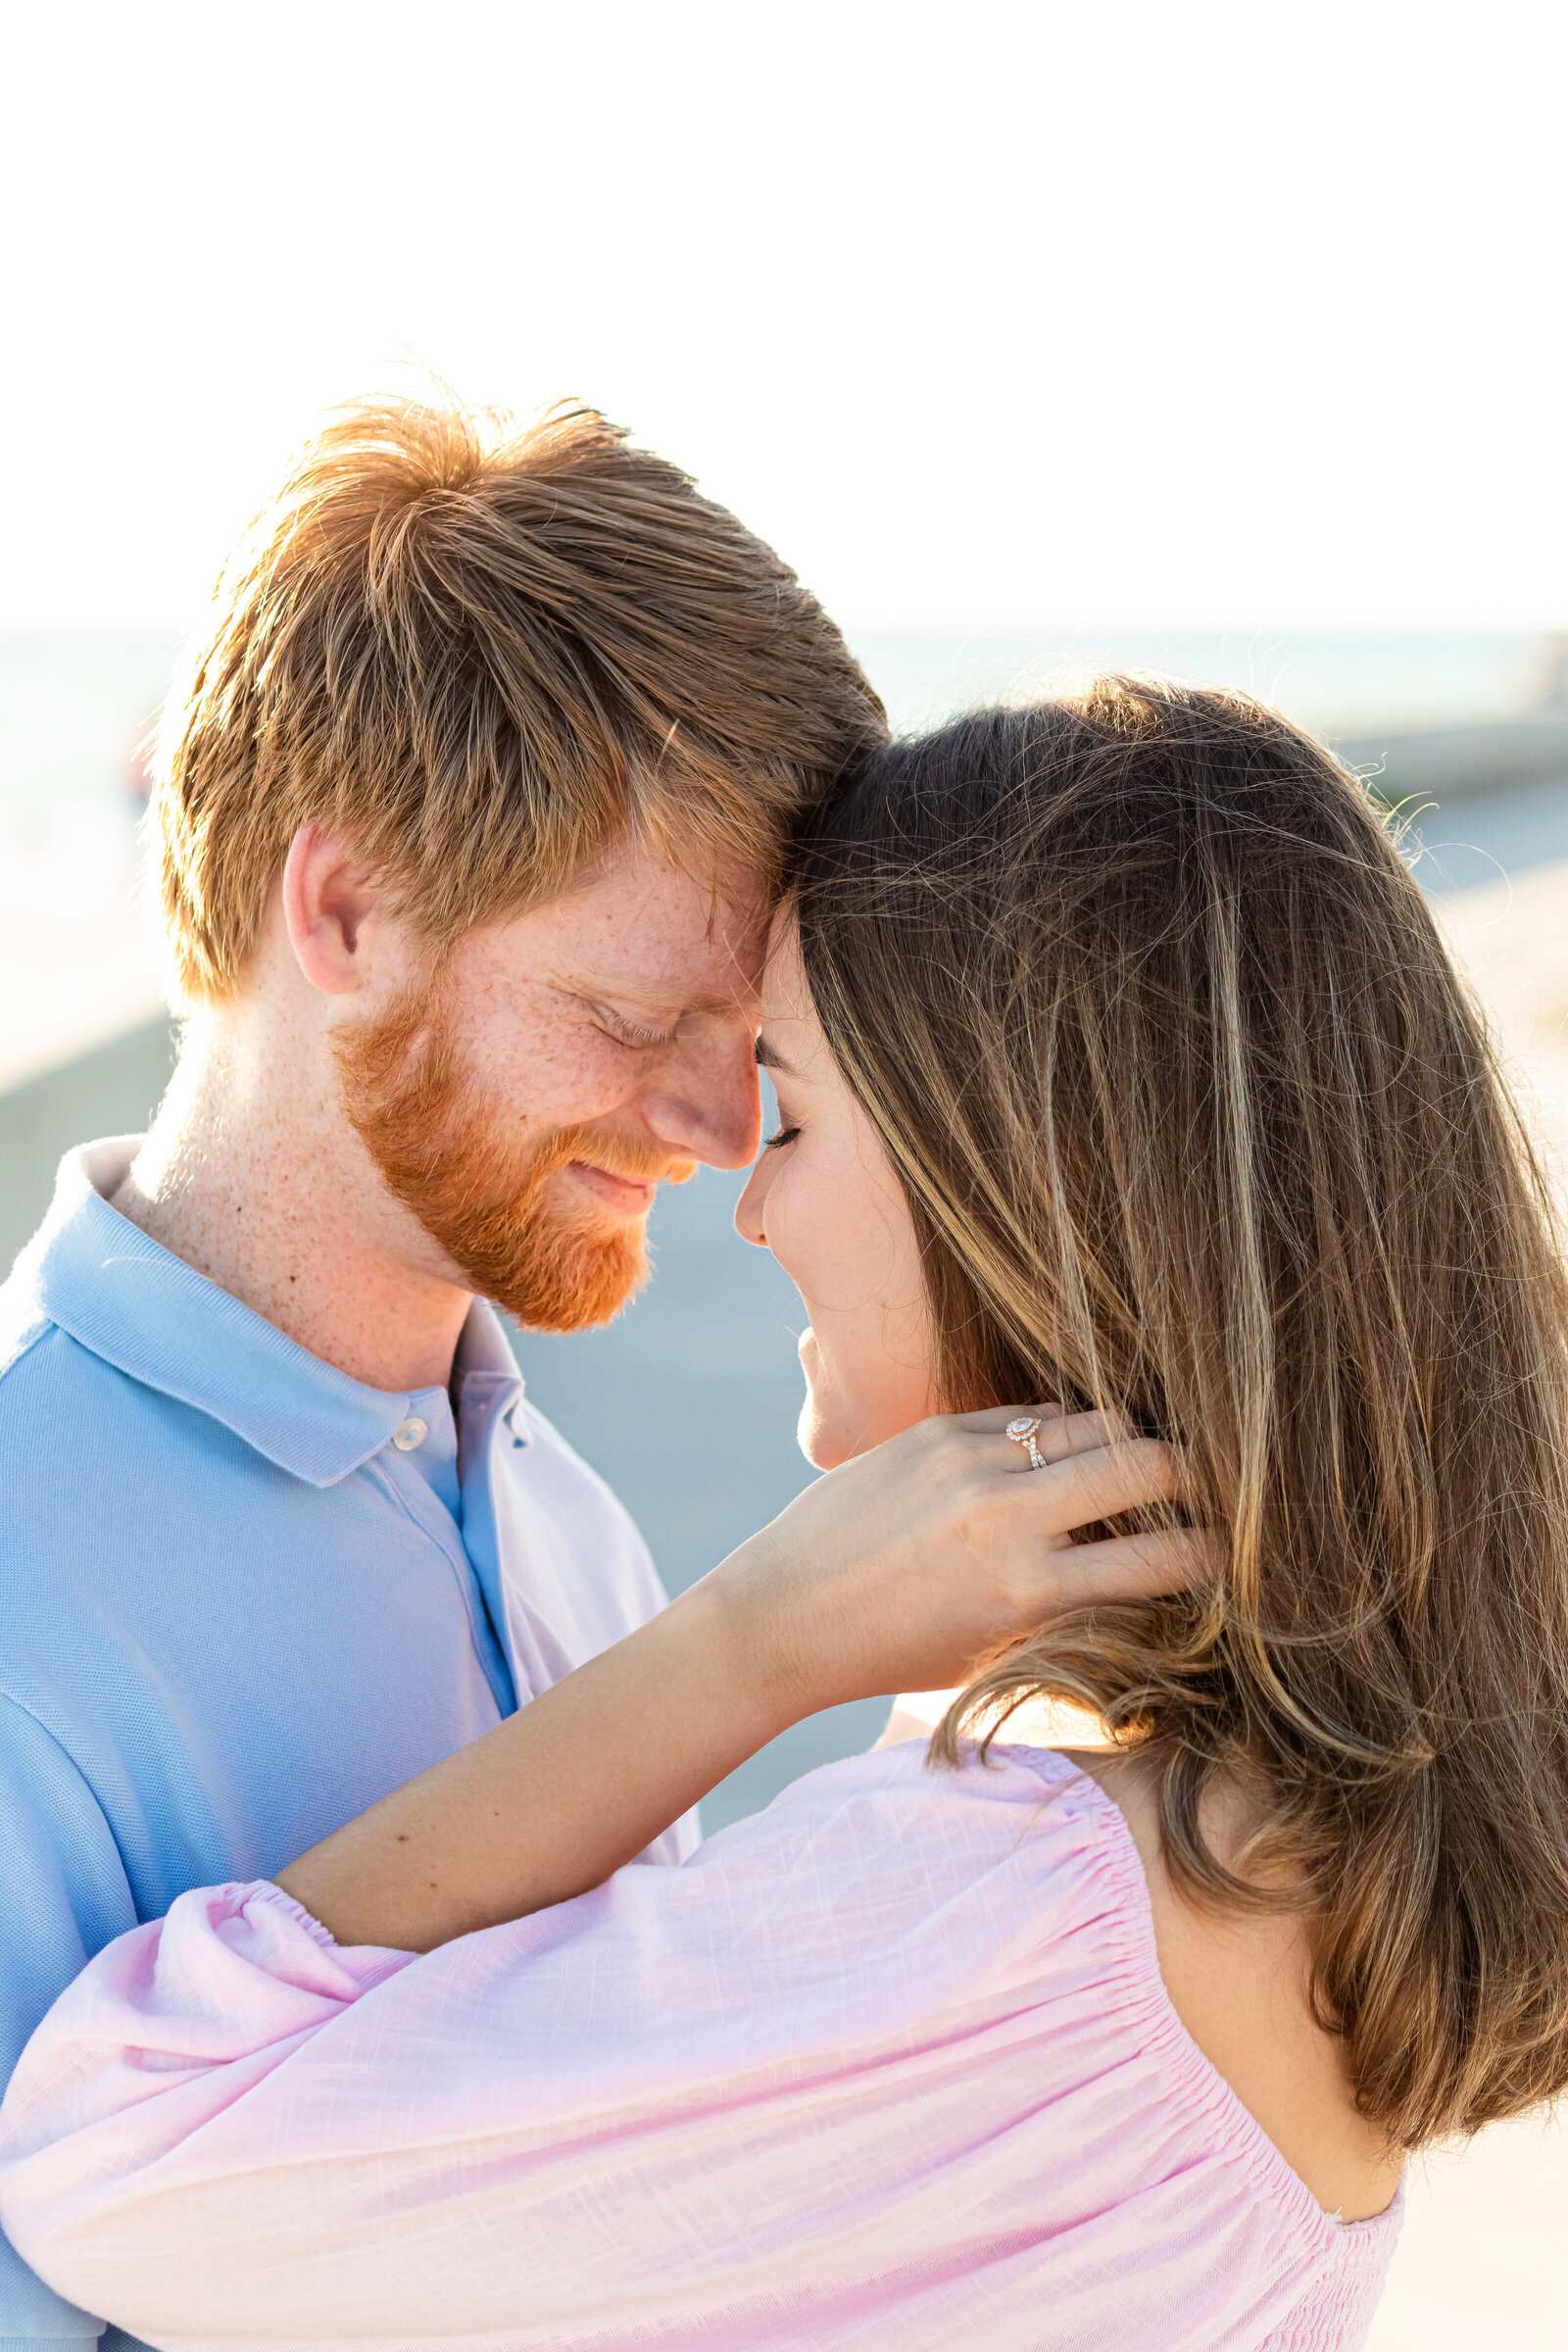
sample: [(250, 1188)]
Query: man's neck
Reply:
[(252, 1175)]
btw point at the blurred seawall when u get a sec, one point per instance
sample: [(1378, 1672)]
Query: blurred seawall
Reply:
[(1462, 763), (113, 1090)]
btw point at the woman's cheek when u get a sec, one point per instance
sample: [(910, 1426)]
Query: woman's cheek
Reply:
[(832, 1242), (789, 1239), (801, 1232)]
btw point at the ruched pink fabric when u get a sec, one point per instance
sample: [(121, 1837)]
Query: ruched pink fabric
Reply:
[(891, 2065)]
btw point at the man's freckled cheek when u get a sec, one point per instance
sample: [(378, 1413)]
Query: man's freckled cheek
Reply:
[(554, 1068), (563, 1081)]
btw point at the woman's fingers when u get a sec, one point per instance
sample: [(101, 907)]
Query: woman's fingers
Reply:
[(1125, 1474), (1058, 1434), (1104, 1483), (1093, 1467), (993, 1421), (1136, 1567), (1069, 1433)]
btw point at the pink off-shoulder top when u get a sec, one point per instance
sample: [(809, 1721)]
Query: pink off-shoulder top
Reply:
[(890, 2066)]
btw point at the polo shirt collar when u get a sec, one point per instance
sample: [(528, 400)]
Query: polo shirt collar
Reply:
[(140, 1308)]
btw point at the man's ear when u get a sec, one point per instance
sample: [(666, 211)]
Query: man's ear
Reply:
[(331, 903)]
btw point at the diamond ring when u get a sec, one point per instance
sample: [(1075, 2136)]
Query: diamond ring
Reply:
[(1023, 1432)]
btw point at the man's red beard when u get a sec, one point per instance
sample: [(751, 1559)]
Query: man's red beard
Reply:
[(453, 1155)]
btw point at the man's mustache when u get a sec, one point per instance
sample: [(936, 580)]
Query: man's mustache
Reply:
[(635, 1159)]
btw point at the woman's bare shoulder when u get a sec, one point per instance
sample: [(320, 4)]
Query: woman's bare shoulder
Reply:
[(1238, 1983)]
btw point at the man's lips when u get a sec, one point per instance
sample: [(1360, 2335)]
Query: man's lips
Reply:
[(632, 1195)]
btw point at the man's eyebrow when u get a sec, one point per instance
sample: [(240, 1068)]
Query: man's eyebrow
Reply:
[(768, 1058)]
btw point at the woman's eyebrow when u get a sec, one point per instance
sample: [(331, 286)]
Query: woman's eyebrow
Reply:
[(768, 1058)]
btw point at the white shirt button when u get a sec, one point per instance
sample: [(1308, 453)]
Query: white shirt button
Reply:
[(410, 1433)]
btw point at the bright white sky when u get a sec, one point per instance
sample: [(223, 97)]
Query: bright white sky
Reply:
[(989, 316)]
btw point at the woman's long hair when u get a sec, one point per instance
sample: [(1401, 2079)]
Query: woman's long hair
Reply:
[(1198, 1122)]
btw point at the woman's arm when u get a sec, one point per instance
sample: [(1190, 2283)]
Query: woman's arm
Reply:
[(747, 2082), (562, 1793), (899, 1570)]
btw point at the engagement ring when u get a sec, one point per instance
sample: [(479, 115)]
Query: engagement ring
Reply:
[(1022, 1433)]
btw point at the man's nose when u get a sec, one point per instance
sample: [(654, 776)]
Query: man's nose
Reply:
[(706, 1102)]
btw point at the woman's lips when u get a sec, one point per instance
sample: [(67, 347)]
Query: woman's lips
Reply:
[(632, 1195)]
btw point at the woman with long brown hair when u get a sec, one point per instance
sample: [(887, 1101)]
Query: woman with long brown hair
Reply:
[(1120, 1065)]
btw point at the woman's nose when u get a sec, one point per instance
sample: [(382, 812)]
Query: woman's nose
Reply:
[(749, 1222)]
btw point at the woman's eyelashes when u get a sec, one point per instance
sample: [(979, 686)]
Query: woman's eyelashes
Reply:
[(783, 1136)]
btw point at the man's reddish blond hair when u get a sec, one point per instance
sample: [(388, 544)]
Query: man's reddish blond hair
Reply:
[(489, 655)]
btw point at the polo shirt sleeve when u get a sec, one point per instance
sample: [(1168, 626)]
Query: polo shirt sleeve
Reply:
[(63, 1896)]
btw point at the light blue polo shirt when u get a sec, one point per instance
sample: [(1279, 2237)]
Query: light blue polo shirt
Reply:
[(242, 1597)]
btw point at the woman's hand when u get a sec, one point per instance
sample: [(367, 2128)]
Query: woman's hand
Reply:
[(898, 1571), (903, 1569)]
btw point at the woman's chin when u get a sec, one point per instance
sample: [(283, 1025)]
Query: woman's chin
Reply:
[(828, 1436), (815, 1438), (843, 1417), (814, 1430)]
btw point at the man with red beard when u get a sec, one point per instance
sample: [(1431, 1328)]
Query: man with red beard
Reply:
[(469, 813)]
